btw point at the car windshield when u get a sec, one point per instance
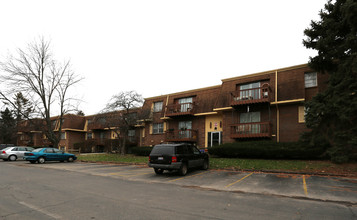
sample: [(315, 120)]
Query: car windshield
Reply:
[(163, 149), (5, 149), (37, 150)]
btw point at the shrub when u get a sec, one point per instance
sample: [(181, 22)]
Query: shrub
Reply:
[(267, 150), (141, 151)]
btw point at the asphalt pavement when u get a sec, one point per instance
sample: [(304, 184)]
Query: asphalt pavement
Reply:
[(308, 187), (107, 191)]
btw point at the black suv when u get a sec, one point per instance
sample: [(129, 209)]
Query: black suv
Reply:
[(179, 157)]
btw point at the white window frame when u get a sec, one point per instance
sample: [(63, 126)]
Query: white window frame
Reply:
[(158, 128), (158, 106), (310, 79), (63, 135)]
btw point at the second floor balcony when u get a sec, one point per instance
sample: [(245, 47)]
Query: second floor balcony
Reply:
[(251, 130), (187, 135), (250, 96), (180, 109)]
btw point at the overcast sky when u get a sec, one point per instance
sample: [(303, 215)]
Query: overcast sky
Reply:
[(160, 47)]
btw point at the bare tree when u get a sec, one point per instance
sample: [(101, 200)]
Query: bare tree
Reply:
[(43, 81), (125, 113)]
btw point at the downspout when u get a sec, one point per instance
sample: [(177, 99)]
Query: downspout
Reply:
[(277, 108), (167, 123)]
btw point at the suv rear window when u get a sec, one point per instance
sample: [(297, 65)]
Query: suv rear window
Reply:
[(163, 149)]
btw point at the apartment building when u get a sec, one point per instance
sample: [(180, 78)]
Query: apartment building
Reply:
[(267, 105), (95, 133), (32, 133)]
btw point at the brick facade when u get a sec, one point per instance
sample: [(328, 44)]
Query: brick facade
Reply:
[(264, 105)]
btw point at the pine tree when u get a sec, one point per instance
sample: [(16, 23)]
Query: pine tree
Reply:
[(7, 127), (332, 114)]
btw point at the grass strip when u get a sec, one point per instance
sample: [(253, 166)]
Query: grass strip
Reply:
[(237, 163), (113, 158), (219, 163)]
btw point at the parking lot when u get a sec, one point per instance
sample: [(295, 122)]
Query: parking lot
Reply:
[(334, 189)]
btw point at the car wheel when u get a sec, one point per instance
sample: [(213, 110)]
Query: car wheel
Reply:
[(41, 160), (183, 169), (205, 165), (12, 157), (158, 171), (32, 161), (70, 159)]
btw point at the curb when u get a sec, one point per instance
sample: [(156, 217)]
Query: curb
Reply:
[(241, 170)]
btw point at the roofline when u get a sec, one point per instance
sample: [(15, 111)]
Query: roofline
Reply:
[(183, 92), (266, 72)]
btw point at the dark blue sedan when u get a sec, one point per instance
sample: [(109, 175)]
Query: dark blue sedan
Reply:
[(41, 155)]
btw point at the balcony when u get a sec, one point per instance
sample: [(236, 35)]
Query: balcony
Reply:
[(251, 130), (187, 135), (180, 109), (251, 96)]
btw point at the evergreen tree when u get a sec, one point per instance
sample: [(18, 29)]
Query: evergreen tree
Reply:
[(332, 113), (7, 127), (23, 107)]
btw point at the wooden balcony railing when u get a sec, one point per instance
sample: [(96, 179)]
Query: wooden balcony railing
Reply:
[(180, 109), (249, 96), (251, 130), (187, 135)]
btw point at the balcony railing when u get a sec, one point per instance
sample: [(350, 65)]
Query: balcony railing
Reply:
[(249, 96), (180, 109), (251, 130), (187, 135)]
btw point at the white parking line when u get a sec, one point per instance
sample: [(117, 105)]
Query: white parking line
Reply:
[(40, 210)]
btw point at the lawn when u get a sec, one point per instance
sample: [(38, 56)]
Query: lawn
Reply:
[(241, 164), (129, 158)]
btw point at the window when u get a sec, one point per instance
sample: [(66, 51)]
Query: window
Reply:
[(89, 136), (310, 80), (131, 133), (101, 135), (249, 123), (63, 135), (158, 128), (249, 117), (186, 104), (185, 129), (250, 91), (49, 150), (158, 106), (53, 124), (301, 113)]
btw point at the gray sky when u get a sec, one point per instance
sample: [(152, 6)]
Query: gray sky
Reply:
[(160, 47)]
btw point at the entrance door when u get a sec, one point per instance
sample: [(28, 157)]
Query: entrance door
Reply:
[(214, 138)]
